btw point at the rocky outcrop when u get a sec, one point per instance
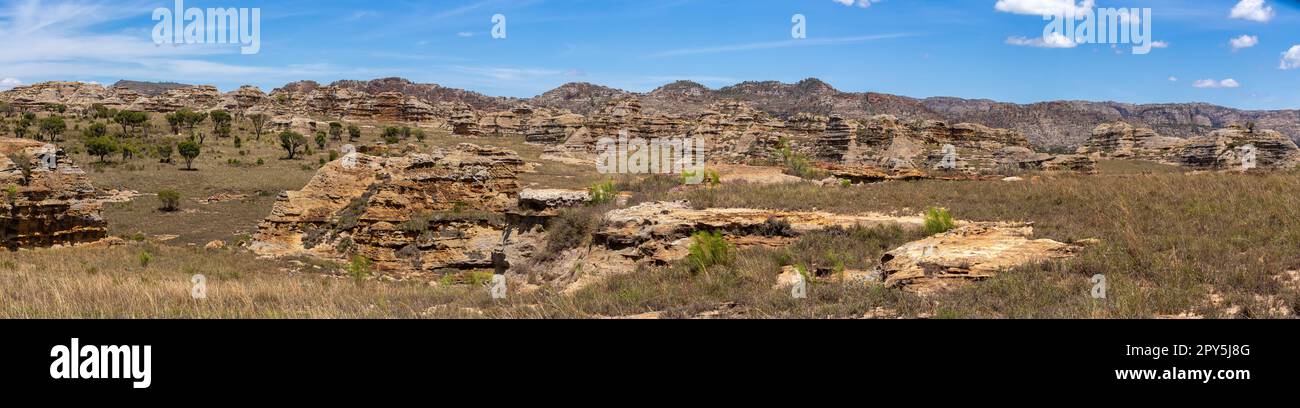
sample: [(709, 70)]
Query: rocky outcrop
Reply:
[(1226, 149), (660, 232), (412, 216), (1222, 149), (970, 253), (1124, 141), (46, 200), (895, 145)]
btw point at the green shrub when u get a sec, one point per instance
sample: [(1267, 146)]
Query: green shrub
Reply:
[(145, 259), (570, 229), (602, 193), (171, 200), (359, 268), (938, 221), (709, 249)]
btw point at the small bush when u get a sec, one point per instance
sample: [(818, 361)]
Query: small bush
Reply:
[(938, 221), (145, 259), (570, 229), (602, 193), (170, 199), (709, 249), (359, 268)]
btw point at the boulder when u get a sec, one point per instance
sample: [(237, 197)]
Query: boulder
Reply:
[(969, 253)]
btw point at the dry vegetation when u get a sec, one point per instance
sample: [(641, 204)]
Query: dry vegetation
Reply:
[(1170, 243)]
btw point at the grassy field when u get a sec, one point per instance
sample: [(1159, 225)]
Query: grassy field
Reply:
[(1171, 244)]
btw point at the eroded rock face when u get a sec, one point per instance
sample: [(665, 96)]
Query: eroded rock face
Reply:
[(660, 232), (43, 206), (1125, 141), (412, 216), (1223, 149), (970, 253)]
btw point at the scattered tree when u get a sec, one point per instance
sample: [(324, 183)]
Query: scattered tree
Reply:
[(130, 120), (354, 133), (175, 120), (189, 151), (259, 123), (170, 199), (219, 118), (291, 142), (321, 140), (95, 130), (336, 131), (52, 127), (22, 128), (164, 151), (392, 135), (101, 146)]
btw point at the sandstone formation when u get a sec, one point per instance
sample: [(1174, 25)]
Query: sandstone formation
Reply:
[(1223, 149), (46, 201), (660, 232), (412, 216), (970, 253)]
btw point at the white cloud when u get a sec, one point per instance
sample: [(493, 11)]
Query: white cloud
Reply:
[(1173, 79), (465, 34), (1253, 10), (1052, 40), (1044, 7), (1212, 84), (776, 44), (10, 83), (1291, 58), (1243, 42), (1159, 44), (860, 3)]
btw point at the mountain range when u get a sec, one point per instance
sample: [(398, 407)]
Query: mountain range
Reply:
[(1050, 125)]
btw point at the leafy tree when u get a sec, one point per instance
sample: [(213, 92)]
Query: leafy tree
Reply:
[(175, 120), (354, 133), (291, 142), (128, 150), (171, 200), (259, 123), (192, 119), (392, 135), (336, 131), (95, 130), (101, 146), (52, 127), (219, 118), (321, 140), (224, 131), (164, 151), (189, 150), (130, 120), (99, 111), (22, 128)]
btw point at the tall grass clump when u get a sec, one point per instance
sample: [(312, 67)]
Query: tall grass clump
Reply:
[(709, 249), (938, 221)]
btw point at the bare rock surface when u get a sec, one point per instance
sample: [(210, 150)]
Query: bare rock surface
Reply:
[(46, 200), (412, 216), (969, 253)]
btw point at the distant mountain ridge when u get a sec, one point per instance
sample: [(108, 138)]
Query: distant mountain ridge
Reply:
[(1055, 124), (1052, 125), (150, 88)]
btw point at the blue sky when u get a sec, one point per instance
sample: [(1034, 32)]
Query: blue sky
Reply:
[(919, 48)]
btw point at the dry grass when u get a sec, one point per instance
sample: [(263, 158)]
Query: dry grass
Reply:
[(1169, 243)]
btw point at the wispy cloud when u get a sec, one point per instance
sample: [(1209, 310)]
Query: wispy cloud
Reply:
[(810, 42)]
